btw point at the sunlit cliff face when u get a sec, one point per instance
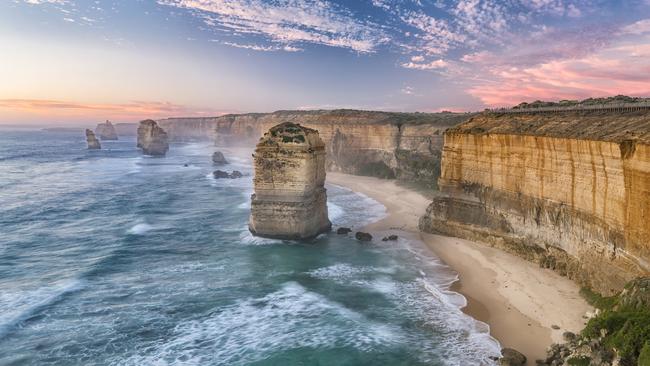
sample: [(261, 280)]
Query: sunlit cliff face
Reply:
[(74, 60)]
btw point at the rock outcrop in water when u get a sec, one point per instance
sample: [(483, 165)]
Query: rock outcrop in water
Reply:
[(218, 158), (290, 200), (93, 143), (152, 139), (106, 131), (568, 189), (380, 144)]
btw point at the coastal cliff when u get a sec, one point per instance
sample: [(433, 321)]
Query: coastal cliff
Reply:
[(570, 190), (152, 139), (290, 201), (380, 144), (106, 131)]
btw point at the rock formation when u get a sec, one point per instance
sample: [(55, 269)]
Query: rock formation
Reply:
[(220, 174), (290, 201), (93, 143), (218, 158), (381, 144), (152, 139), (106, 131), (568, 189)]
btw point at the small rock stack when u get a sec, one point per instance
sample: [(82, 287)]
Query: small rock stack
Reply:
[(152, 139), (93, 143), (106, 131)]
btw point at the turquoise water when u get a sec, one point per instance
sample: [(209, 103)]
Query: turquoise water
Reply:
[(111, 258)]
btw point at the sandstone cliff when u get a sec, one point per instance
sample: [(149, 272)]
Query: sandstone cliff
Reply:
[(106, 131), (570, 190), (383, 144), (152, 139), (93, 143), (290, 201)]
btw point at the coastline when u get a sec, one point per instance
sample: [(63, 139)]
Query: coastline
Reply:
[(517, 299)]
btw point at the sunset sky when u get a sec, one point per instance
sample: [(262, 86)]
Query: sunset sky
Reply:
[(69, 61)]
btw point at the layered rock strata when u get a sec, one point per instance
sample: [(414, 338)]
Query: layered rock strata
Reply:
[(570, 190), (91, 140), (381, 144), (106, 131), (290, 200), (152, 139)]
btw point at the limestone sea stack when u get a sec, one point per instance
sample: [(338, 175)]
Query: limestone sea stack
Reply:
[(93, 143), (106, 131), (152, 139), (290, 200)]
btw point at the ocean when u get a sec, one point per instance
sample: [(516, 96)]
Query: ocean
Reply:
[(113, 258)]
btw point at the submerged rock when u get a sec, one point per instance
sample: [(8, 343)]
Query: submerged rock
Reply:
[(511, 357), (361, 236), (343, 230), (390, 238), (220, 174), (218, 158), (290, 200), (106, 131), (152, 139), (93, 143)]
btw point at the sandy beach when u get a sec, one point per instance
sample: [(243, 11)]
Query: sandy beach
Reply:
[(521, 302)]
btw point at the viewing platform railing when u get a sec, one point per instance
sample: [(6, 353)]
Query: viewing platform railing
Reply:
[(619, 107)]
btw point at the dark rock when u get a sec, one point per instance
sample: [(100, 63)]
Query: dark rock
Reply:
[(343, 230), (511, 357), (220, 174), (556, 327), (390, 237), (361, 236), (186, 165), (569, 336), (218, 158)]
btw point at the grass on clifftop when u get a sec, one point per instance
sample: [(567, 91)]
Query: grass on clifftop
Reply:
[(626, 328)]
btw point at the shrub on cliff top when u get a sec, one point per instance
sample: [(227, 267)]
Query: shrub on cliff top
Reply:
[(644, 357)]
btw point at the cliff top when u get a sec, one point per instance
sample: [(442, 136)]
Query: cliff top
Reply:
[(601, 125), (291, 133)]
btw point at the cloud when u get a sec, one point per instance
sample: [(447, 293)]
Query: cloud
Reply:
[(433, 65), (135, 110), (640, 27), (288, 22)]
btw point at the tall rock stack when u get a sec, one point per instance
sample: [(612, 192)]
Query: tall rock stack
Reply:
[(93, 143), (106, 131), (290, 200), (152, 139)]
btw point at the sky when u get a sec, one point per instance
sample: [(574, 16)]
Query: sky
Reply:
[(69, 61)]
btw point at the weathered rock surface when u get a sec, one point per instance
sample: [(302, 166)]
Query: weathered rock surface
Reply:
[(511, 357), (218, 158), (106, 131), (570, 190), (93, 143), (152, 139), (392, 237), (343, 230), (361, 236), (290, 200), (381, 144)]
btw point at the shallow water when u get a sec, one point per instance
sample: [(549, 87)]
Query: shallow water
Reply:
[(111, 258)]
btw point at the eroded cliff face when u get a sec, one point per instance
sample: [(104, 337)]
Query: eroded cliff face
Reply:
[(569, 190), (382, 144), (152, 139), (290, 200), (106, 131)]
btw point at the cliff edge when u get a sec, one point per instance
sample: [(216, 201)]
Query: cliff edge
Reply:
[(570, 190), (290, 201)]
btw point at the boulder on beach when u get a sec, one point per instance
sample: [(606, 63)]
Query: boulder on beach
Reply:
[(390, 237), (361, 236), (106, 131), (93, 143), (343, 230), (511, 357), (218, 158), (152, 139)]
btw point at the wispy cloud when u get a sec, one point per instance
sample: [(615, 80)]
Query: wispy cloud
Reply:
[(288, 22)]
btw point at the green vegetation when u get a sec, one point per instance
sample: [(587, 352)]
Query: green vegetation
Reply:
[(626, 328), (579, 361), (587, 102)]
